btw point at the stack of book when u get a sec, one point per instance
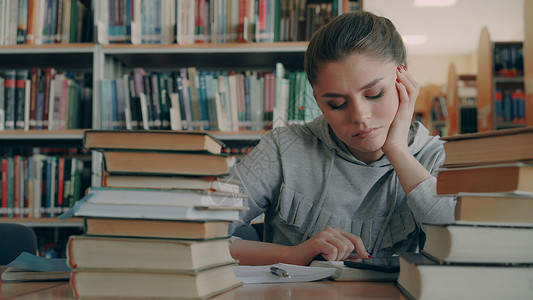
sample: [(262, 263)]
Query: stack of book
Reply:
[(486, 253), (158, 227)]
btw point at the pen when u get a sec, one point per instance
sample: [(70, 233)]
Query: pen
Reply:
[(279, 272)]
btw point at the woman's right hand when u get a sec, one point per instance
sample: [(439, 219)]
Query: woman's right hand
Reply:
[(332, 243)]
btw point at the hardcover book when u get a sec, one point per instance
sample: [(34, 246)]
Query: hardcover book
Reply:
[(423, 278), (150, 197), (494, 207), (499, 146), (152, 140), (468, 242), (486, 179), (168, 163), (147, 254), (194, 230), (153, 284)]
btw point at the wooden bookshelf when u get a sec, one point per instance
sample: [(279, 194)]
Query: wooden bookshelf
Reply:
[(452, 101), (44, 222), (485, 55), (493, 85)]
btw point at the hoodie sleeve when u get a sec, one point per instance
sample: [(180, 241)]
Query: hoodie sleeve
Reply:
[(423, 201), (261, 176)]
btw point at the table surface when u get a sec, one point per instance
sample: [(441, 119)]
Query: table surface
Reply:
[(327, 289)]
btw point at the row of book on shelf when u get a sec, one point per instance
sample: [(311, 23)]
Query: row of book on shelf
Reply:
[(486, 252), (37, 22), (40, 185), (45, 99), (158, 231), (216, 21), (509, 60), (207, 100), (510, 106)]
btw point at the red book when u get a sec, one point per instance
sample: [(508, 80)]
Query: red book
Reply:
[(16, 188), (49, 74), (243, 15), (61, 181), (35, 74)]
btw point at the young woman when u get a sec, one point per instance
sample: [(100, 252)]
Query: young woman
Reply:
[(360, 178)]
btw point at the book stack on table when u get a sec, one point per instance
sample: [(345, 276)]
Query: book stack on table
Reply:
[(486, 253), (158, 227)]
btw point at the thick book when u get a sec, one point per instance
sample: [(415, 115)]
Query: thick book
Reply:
[(486, 179), (152, 140), (345, 273), (208, 183), (152, 284), (149, 197), (167, 163), (494, 207), (499, 146), (194, 230), (469, 242), (147, 254), (423, 278)]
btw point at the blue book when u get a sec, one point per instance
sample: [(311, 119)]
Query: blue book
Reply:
[(30, 267), (9, 98)]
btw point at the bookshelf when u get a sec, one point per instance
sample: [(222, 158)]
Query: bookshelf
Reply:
[(500, 84), (461, 102)]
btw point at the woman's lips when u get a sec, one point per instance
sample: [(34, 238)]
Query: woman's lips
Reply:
[(363, 134)]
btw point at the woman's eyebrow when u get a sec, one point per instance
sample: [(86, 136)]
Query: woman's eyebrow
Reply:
[(371, 84), (332, 95), (367, 86)]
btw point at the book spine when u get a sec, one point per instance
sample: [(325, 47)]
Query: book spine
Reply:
[(4, 187), (10, 98), (20, 98), (16, 185), (10, 186), (164, 93), (22, 25)]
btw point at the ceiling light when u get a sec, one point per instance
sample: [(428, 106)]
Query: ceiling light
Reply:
[(433, 3), (414, 39)]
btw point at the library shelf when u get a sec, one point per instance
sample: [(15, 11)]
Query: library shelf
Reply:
[(44, 222)]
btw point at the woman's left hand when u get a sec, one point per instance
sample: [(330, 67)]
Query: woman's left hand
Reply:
[(408, 90)]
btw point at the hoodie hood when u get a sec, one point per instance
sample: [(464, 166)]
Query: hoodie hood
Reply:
[(417, 139)]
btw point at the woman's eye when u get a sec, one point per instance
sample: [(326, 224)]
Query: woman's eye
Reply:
[(341, 106), (375, 96)]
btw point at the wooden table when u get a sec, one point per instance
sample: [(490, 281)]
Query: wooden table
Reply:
[(323, 290)]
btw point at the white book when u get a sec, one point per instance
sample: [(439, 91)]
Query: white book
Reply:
[(163, 197), (127, 102), (175, 112), (155, 212), (234, 104)]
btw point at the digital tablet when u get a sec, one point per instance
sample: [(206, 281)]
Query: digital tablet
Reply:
[(382, 264)]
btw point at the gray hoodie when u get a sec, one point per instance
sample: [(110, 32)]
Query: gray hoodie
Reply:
[(304, 179)]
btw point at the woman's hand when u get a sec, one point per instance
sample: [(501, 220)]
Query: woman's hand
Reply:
[(408, 90), (331, 243)]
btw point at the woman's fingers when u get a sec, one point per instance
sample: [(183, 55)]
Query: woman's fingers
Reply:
[(338, 244)]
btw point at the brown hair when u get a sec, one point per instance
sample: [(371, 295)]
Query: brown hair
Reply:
[(361, 32)]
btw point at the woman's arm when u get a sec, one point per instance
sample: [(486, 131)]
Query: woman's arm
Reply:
[(409, 170), (331, 243), (417, 182)]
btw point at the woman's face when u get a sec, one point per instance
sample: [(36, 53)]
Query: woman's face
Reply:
[(359, 99)]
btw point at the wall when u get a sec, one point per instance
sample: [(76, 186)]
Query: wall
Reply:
[(433, 69)]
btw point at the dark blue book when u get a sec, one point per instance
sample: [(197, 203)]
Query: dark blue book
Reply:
[(9, 98)]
